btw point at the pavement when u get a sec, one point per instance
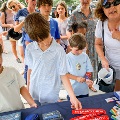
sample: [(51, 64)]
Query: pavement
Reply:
[(9, 60)]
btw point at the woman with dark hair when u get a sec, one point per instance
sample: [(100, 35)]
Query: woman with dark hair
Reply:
[(61, 17), (6, 20), (108, 13), (6, 17)]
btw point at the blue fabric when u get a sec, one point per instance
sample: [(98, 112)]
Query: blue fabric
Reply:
[(22, 12), (27, 38), (80, 96), (25, 73), (13, 116), (97, 101), (54, 30), (32, 117)]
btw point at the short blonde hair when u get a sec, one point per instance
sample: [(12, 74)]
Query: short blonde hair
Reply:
[(16, 2)]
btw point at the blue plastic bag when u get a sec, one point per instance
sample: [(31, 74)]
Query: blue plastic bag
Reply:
[(12, 116)]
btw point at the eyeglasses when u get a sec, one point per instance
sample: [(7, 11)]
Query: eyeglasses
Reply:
[(108, 4), (12, 7)]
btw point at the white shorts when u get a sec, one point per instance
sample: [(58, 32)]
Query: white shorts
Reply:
[(20, 42)]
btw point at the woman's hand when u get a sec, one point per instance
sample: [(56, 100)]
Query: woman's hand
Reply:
[(105, 64)]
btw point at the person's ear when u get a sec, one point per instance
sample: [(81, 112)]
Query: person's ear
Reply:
[(70, 47)]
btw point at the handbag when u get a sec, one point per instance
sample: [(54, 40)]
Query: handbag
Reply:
[(102, 85)]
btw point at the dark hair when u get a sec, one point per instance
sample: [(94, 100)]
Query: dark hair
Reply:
[(40, 2), (1, 50), (75, 26), (77, 40), (37, 26), (62, 3), (98, 12), (3, 7)]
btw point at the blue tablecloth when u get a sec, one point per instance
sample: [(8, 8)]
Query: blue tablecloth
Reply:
[(97, 101)]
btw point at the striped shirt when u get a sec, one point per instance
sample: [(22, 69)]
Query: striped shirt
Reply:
[(47, 66)]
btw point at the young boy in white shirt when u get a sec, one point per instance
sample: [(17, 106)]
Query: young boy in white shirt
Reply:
[(46, 61), (12, 85)]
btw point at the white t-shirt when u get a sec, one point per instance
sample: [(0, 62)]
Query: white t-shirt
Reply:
[(10, 83), (112, 46), (83, 62), (62, 29)]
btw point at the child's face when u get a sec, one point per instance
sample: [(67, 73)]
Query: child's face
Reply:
[(1, 61), (75, 51), (45, 9), (82, 30), (61, 10)]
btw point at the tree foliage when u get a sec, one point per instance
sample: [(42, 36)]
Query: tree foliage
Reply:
[(68, 2)]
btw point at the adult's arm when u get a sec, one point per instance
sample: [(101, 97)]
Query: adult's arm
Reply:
[(18, 26), (99, 50)]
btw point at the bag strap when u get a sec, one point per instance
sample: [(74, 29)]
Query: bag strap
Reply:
[(97, 82), (5, 17), (103, 37), (5, 28)]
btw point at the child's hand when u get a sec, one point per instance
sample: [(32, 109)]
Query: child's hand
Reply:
[(80, 79), (89, 82), (34, 105), (76, 104)]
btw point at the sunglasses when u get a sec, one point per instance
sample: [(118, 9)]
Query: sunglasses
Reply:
[(114, 3), (12, 7)]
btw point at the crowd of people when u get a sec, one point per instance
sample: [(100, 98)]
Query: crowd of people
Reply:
[(62, 50)]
